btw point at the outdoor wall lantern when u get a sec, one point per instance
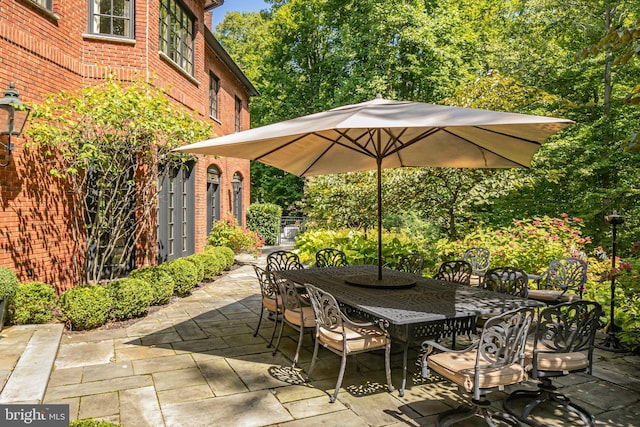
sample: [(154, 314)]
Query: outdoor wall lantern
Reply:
[(13, 117), (611, 342), (236, 183)]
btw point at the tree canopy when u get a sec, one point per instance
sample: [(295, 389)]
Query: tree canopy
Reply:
[(517, 55)]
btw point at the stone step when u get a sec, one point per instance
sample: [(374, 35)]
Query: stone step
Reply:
[(28, 381)]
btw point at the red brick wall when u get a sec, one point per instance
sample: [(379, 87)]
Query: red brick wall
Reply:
[(47, 52)]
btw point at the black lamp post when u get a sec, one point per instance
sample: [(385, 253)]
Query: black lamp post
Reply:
[(13, 117), (612, 343)]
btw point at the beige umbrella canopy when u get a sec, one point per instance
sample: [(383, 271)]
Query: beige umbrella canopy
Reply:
[(389, 134)]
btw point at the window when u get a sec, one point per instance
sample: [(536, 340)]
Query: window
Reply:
[(214, 86), (213, 196), (176, 34), (176, 213), (46, 4), (238, 112), (112, 17)]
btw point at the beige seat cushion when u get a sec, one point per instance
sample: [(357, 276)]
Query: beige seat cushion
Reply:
[(358, 338), (270, 303), (460, 368), (476, 280), (573, 361), (308, 316), (551, 296)]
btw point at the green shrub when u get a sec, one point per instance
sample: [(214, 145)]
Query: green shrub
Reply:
[(92, 423), (162, 284), (131, 298), (363, 250), (264, 218), (86, 307), (8, 283), (212, 264), (627, 296), (199, 263), (528, 244), (225, 255), (33, 302), (228, 233), (184, 274)]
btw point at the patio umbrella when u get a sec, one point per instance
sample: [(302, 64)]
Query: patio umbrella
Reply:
[(389, 134)]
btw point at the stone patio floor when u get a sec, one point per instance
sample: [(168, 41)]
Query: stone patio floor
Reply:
[(195, 362)]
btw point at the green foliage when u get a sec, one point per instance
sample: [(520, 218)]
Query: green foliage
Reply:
[(264, 218), (363, 250), (526, 244), (33, 302), (224, 254), (104, 142), (227, 232), (184, 273), (162, 284), (627, 311), (8, 283), (199, 263), (276, 186), (212, 264), (86, 307), (131, 298)]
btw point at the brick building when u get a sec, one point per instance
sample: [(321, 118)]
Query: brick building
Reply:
[(50, 45)]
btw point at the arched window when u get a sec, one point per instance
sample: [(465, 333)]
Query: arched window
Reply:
[(236, 184), (213, 196)]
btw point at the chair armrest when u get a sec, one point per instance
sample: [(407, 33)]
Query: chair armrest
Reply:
[(429, 346)]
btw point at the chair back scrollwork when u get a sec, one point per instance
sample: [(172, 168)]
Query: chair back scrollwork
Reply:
[(566, 274), (458, 271), (282, 260), (329, 257), (507, 280), (411, 263), (479, 258)]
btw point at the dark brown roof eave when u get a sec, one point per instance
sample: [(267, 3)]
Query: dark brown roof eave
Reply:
[(212, 4), (226, 59)]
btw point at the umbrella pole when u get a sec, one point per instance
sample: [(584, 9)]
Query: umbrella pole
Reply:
[(379, 162)]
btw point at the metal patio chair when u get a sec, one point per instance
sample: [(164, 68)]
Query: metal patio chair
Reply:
[(458, 271), (495, 360), (330, 257), (562, 275), (563, 344), (341, 335)]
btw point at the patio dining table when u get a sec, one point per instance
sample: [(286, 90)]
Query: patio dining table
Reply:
[(418, 308)]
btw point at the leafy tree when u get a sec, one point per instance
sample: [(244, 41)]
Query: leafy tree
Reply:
[(107, 142)]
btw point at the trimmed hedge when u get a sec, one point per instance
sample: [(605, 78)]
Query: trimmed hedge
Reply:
[(8, 283), (223, 252), (212, 265), (184, 273), (86, 307), (33, 303), (162, 284), (199, 263), (131, 298), (265, 218)]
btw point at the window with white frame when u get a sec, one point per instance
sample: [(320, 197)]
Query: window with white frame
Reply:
[(214, 87), (176, 33), (46, 4), (112, 17)]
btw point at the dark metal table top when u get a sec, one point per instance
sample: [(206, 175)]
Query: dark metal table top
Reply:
[(429, 301)]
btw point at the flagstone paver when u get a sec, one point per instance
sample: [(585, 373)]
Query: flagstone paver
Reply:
[(195, 362)]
